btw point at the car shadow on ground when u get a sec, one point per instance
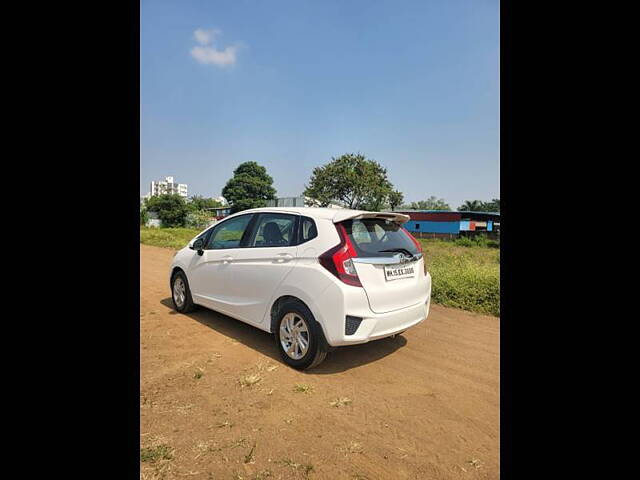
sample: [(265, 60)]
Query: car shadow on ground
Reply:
[(339, 360)]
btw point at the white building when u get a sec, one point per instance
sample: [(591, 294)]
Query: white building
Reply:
[(167, 185), (300, 201)]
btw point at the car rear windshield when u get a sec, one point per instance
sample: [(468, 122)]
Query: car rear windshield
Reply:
[(377, 237)]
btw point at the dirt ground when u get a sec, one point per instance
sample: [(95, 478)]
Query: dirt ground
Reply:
[(424, 405)]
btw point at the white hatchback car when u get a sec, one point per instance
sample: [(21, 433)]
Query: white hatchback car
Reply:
[(317, 278)]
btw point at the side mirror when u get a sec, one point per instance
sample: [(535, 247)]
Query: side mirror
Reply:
[(198, 245)]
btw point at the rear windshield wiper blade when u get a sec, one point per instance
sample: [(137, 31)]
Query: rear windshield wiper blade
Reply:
[(398, 250)]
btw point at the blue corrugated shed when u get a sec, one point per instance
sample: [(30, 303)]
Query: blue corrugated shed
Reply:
[(432, 227)]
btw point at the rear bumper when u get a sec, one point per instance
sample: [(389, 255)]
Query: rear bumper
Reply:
[(375, 326)]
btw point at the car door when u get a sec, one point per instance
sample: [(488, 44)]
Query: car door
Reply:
[(258, 269), (209, 273)]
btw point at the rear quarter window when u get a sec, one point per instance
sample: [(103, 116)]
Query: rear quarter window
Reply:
[(308, 229)]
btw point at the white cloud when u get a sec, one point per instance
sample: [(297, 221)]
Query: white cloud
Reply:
[(205, 37), (208, 54)]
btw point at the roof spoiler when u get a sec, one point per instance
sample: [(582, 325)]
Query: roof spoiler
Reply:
[(341, 216)]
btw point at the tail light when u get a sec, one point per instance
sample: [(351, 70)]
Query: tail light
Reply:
[(338, 259), (413, 239)]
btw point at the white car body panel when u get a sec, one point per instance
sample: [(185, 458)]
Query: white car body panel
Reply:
[(244, 283)]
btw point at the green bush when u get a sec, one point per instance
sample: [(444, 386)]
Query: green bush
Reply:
[(144, 216), (479, 240), (464, 242), (198, 219)]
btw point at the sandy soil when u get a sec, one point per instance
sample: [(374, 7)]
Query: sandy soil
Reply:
[(424, 405)]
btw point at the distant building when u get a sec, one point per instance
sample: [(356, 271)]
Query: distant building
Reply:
[(221, 212), (168, 186), (441, 223), (300, 201)]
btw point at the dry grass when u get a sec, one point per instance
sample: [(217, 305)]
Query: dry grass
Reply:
[(248, 458), (250, 380), (351, 447), (340, 402), (304, 468), (302, 388)]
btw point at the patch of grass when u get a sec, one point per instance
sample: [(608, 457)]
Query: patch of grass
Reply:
[(302, 388), (175, 238), (463, 277), (250, 380), (305, 468), (153, 454), (198, 375), (340, 402)]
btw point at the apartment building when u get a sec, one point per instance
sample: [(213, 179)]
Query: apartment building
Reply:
[(167, 185)]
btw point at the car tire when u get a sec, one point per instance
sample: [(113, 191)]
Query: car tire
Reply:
[(181, 294), (297, 329)]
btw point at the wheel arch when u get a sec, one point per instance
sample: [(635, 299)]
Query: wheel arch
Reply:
[(174, 271), (275, 309)]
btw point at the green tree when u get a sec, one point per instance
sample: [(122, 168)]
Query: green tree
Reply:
[(171, 209), (250, 187), (352, 180), (197, 203), (471, 206), (492, 206), (431, 203), (144, 215), (395, 199)]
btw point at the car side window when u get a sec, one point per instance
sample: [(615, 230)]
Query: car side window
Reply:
[(228, 234), (308, 229), (273, 230)]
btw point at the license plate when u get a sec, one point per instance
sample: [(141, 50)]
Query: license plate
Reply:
[(395, 272)]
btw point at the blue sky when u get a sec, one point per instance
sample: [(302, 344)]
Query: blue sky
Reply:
[(413, 85)]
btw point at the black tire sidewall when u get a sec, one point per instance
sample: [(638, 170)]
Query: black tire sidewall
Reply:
[(315, 338), (188, 303)]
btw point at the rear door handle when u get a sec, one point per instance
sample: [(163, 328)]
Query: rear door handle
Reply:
[(227, 259)]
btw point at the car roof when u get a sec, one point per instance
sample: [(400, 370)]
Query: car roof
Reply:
[(333, 214)]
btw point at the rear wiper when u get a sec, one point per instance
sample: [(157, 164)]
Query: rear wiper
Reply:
[(399, 250)]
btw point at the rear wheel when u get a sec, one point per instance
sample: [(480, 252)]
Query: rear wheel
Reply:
[(180, 294), (299, 337)]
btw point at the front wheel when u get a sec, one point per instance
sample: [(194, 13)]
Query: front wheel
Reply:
[(180, 294), (299, 337)]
